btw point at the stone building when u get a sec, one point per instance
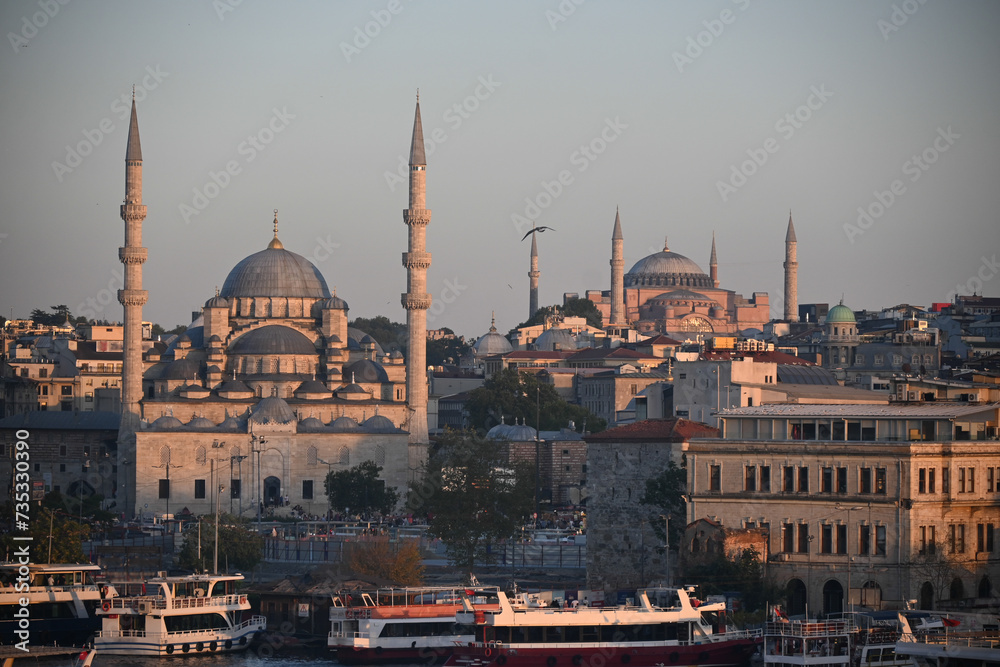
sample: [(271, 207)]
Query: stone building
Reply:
[(623, 551), (561, 457), (866, 505)]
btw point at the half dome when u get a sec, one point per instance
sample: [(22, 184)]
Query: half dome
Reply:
[(273, 339)]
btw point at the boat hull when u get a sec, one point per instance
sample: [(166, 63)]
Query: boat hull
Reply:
[(179, 644), (425, 655), (730, 653)]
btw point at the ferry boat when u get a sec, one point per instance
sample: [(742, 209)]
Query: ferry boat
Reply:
[(61, 602), (812, 643), (678, 630), (402, 624), (967, 640), (186, 615)]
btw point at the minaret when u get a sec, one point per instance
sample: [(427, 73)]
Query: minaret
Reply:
[(416, 300), (617, 274), (533, 274), (132, 255), (791, 274), (713, 265)]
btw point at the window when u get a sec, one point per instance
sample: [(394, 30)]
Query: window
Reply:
[(804, 480), (922, 480), (879, 540), (66, 390), (966, 480), (989, 480), (826, 539), (788, 537), (765, 478), (841, 538), (866, 480), (945, 480), (43, 372), (62, 467), (803, 546), (930, 480), (841, 480), (199, 488), (234, 488), (164, 488), (827, 480), (750, 483), (864, 539), (956, 538), (62, 450), (984, 538), (880, 484), (307, 489), (715, 478), (879, 360), (927, 545), (788, 479)]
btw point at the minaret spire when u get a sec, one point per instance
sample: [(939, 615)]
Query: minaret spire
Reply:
[(791, 273), (713, 265), (617, 315), (132, 297), (533, 275), (416, 300)]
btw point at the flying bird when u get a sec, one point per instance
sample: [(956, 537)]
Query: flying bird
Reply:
[(537, 229)]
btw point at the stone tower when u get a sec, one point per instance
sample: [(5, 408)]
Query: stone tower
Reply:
[(617, 274), (416, 300), (713, 265), (533, 274), (791, 274), (132, 255)]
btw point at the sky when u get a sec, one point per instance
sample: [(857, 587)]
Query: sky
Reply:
[(874, 123)]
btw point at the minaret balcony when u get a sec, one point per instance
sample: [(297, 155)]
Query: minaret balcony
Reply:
[(133, 211), (132, 255), (417, 216), (416, 301), (416, 260), (133, 297)]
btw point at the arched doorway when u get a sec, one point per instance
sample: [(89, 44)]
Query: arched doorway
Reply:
[(985, 588), (797, 597), (927, 596), (272, 491), (957, 589), (833, 597)]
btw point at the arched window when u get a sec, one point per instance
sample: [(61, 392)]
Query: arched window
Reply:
[(927, 596), (164, 455), (957, 589), (345, 456), (200, 457), (985, 588), (380, 455), (796, 595), (311, 456)]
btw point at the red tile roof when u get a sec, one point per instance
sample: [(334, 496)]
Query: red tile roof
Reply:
[(669, 430)]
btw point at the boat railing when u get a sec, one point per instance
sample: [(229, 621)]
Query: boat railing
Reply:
[(970, 639), (809, 628), (46, 589), (115, 634), (157, 602)]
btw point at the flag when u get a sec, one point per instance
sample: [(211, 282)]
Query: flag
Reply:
[(470, 592), (950, 622)]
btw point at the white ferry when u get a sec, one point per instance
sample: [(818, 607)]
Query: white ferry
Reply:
[(402, 624), (812, 643), (186, 615), (61, 602)]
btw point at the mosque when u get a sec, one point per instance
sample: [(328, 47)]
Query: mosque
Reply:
[(268, 390)]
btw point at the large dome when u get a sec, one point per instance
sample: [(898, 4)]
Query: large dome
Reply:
[(667, 268), (275, 272)]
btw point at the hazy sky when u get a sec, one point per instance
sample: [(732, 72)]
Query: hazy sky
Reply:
[(691, 117)]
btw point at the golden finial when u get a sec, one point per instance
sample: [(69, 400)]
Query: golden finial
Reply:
[(275, 243), (665, 247)]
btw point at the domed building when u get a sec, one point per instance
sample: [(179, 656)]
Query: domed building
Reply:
[(668, 292)]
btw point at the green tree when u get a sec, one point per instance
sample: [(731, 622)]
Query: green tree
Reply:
[(390, 335), (472, 496), (239, 545), (58, 315), (67, 536), (665, 492), (512, 394), (572, 308), (441, 349), (742, 573), (157, 330), (360, 490)]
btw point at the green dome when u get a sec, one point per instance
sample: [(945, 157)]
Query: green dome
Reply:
[(840, 313)]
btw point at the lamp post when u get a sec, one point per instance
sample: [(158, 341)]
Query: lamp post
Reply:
[(86, 466), (329, 471), (125, 463), (215, 567), (239, 462), (848, 547), (666, 543), (168, 465), (256, 444)]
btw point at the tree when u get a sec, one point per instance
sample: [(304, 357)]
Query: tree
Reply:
[(402, 566), (390, 335), (440, 350), (666, 492), (157, 330), (472, 496), (571, 308), (239, 546), (67, 537), (360, 490), (58, 315), (512, 394), (742, 573)]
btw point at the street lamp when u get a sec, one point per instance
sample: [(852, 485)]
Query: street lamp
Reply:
[(848, 546), (666, 544), (215, 568), (256, 444), (86, 466), (239, 462), (168, 465)]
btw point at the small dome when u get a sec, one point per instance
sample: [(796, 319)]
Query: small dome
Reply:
[(182, 369), (272, 410), (230, 423), (521, 433), (354, 338), (366, 371), (273, 339), (311, 425), (167, 422), (234, 386), (680, 295), (555, 339), (492, 343), (379, 424), (312, 387), (217, 302), (395, 354), (840, 314), (334, 303), (195, 335), (200, 424), (499, 432), (344, 424)]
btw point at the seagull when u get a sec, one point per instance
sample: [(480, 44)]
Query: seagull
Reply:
[(537, 229)]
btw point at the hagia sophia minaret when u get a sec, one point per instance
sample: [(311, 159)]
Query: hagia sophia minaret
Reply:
[(713, 265), (533, 274), (416, 300), (791, 274), (132, 255), (617, 316)]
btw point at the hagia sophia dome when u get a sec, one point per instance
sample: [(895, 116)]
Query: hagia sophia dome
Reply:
[(667, 268)]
